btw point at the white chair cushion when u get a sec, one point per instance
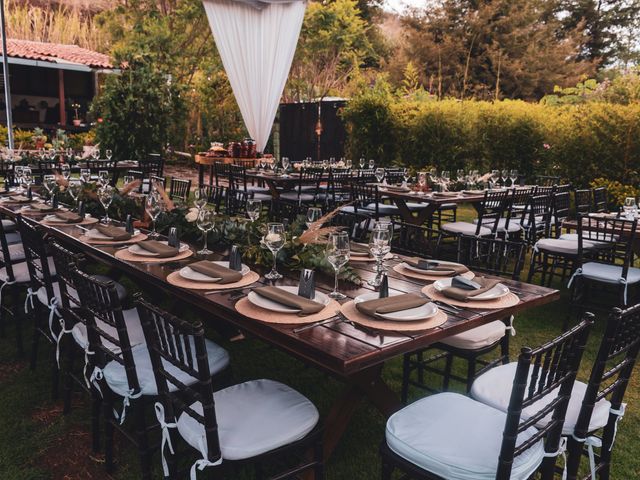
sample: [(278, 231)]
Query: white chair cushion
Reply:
[(414, 207), (254, 189), (478, 337), (464, 228), (383, 209), (448, 206), (21, 272), (603, 272), (514, 224), (361, 211), (13, 238), (8, 225), (131, 320), (494, 389), (587, 243), (456, 437), (293, 196), (557, 245), (116, 377), (16, 252), (253, 418), (263, 197)]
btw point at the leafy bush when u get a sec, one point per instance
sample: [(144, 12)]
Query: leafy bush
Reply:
[(616, 192), (576, 142)]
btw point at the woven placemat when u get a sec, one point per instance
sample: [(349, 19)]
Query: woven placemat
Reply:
[(507, 301), (352, 314), (430, 278), (174, 278), (248, 309), (86, 221), (130, 257), (362, 258), (97, 241)]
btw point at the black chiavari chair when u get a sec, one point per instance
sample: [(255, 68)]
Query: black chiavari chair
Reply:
[(216, 195), (152, 165), (307, 190), (358, 226), (222, 174), (216, 424), (547, 180), (45, 167), (121, 370), (600, 201), (366, 200), (537, 218), (582, 199), (285, 212), (424, 439), (416, 240), (544, 189), (236, 202), (338, 189), (497, 257), (179, 189)]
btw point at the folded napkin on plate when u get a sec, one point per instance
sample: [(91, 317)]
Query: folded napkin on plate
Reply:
[(68, 217), (42, 207), (436, 268), (306, 306), (213, 270), (396, 188), (462, 290), (161, 250), (19, 199), (359, 250), (398, 303), (114, 233)]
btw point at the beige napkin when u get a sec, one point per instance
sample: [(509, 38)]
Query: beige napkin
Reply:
[(114, 233), (42, 207), (306, 306), (68, 217), (160, 249), (20, 199), (215, 271), (358, 250), (435, 268), (465, 295), (398, 303)]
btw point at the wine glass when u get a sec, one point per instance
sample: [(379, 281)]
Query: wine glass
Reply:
[(313, 215), (460, 175), (108, 153), (379, 246), (338, 252), (505, 176), (379, 173), (372, 164), (52, 154), (69, 154), (254, 207), (206, 222), (422, 180), (49, 183), (285, 165), (27, 177), (153, 206), (630, 208), (85, 175), (446, 176), (65, 170), (74, 188), (18, 171), (274, 240), (95, 153), (325, 164), (362, 163), (406, 175), (103, 177), (105, 195), (263, 163), (495, 176), (200, 198), (127, 179), (348, 164), (514, 177)]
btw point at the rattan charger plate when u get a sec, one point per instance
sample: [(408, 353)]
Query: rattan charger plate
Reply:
[(508, 300), (429, 278), (352, 314), (248, 309), (130, 257), (174, 278), (100, 241)]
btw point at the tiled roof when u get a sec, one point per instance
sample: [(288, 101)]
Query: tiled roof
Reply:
[(57, 52)]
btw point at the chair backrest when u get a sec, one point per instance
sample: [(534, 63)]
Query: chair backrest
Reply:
[(35, 254), (582, 200), (393, 175), (285, 212), (544, 189), (101, 309), (222, 173), (522, 195), (152, 165), (565, 187), (356, 225), (7, 261), (137, 175), (236, 202), (495, 256), (238, 177), (363, 195), (177, 344), (561, 210), (494, 207), (244, 162), (547, 180), (366, 175), (66, 262), (540, 372), (615, 238), (611, 372), (536, 220), (339, 187), (45, 167), (216, 194), (155, 179), (179, 189), (310, 177), (599, 199), (412, 239)]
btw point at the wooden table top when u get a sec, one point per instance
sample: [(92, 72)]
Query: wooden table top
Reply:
[(431, 197), (337, 347)]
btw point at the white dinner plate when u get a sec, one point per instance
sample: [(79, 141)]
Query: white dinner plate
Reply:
[(53, 219), (498, 291), (423, 312), (96, 235), (189, 274), (137, 250), (263, 302), (427, 272)]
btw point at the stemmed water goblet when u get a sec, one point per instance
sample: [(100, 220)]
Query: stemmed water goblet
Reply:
[(406, 175), (95, 153), (460, 176), (153, 206), (254, 207), (49, 183), (513, 174), (85, 175), (285, 166), (263, 163), (630, 208), (348, 164), (380, 246), (105, 195), (65, 170), (274, 241), (313, 215), (74, 188), (338, 252), (505, 176), (206, 222), (200, 198), (362, 163), (495, 176), (379, 173), (18, 171), (372, 164), (103, 177), (27, 177), (108, 153)]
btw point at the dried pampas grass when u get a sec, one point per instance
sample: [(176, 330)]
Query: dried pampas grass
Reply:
[(316, 233)]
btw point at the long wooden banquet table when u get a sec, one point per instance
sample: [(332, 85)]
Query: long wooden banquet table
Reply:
[(354, 354)]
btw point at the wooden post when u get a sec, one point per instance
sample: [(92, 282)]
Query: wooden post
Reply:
[(63, 110)]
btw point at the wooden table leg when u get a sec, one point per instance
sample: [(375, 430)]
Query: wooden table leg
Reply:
[(200, 174), (421, 216)]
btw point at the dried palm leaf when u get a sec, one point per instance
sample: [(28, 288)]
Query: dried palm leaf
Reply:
[(316, 233)]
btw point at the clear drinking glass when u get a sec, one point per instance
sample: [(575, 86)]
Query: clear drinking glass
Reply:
[(74, 188), (95, 153), (338, 252), (406, 175), (379, 246), (446, 176), (65, 170), (85, 175), (206, 222), (254, 207), (153, 206), (274, 240), (460, 177), (263, 163), (27, 177), (362, 163), (285, 164), (505, 176), (199, 198), (49, 183), (495, 176), (630, 208), (372, 164), (313, 215), (105, 195), (513, 175), (108, 153), (379, 173), (103, 177), (18, 171), (127, 179), (348, 164)]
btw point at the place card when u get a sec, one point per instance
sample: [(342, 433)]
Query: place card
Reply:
[(307, 286), (172, 239), (54, 201), (384, 287), (235, 259), (128, 226), (29, 193), (81, 209)]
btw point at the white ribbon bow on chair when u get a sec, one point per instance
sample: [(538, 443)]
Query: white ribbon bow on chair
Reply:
[(203, 462), (166, 438), (562, 448)]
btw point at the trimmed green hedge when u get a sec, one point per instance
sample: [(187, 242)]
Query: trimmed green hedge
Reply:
[(577, 142)]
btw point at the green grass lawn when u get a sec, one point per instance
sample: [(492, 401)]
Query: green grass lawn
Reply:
[(37, 442)]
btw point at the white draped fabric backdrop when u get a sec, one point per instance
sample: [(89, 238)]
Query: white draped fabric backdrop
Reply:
[(256, 41)]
